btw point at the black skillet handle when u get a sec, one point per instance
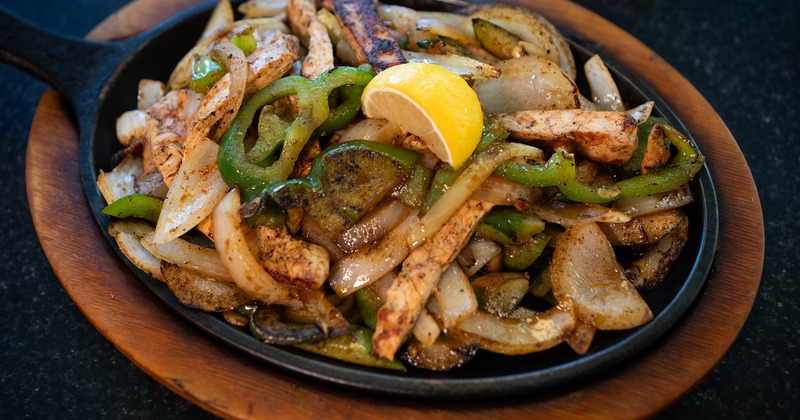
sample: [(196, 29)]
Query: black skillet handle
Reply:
[(76, 67)]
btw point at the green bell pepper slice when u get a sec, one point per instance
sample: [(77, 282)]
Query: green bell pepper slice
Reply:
[(205, 73), (516, 226), (142, 206), (245, 40), (520, 257), (559, 171), (253, 179), (355, 347), (684, 166)]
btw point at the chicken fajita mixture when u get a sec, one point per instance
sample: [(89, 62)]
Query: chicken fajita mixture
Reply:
[(396, 188)]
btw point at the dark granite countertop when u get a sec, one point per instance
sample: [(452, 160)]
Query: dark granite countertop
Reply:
[(742, 55)]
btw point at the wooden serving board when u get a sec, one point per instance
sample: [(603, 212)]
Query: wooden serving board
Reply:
[(230, 384)]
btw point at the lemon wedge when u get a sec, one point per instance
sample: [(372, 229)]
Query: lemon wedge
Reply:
[(433, 103)]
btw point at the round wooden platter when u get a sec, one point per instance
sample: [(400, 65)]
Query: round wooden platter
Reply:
[(228, 383)]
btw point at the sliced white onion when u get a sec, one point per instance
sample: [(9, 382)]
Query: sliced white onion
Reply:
[(477, 254), (602, 85), (527, 83), (150, 91), (313, 232), (426, 330), (196, 189), (121, 180), (585, 272), (404, 19), (451, 32), (571, 214), (452, 19), (565, 58), (233, 58), (525, 25), (343, 48), (455, 297), (243, 267), (580, 339), (656, 203), (131, 126), (373, 129), (517, 336), (468, 68), (373, 226), (200, 259), (461, 190), (262, 8), (128, 233), (504, 192), (641, 112), (221, 16), (370, 263)]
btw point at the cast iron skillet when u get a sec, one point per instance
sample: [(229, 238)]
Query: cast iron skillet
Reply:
[(100, 81)]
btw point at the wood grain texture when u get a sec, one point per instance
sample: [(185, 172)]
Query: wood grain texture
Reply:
[(228, 383)]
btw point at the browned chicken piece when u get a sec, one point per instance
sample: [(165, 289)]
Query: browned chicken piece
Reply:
[(643, 230), (653, 266), (167, 124), (656, 155), (603, 136), (367, 34), (199, 292), (290, 260), (271, 61), (420, 273), (168, 114), (302, 16), (167, 154)]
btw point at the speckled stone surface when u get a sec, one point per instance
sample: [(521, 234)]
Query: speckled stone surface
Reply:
[(742, 55)]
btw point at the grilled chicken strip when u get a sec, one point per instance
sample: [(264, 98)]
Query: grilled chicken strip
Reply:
[(656, 154), (366, 33), (302, 16), (603, 136), (289, 260), (167, 124), (264, 65), (420, 272)]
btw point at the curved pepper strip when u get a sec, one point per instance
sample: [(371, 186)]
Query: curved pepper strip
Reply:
[(355, 347), (559, 171), (686, 164), (272, 127), (237, 169), (344, 112)]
